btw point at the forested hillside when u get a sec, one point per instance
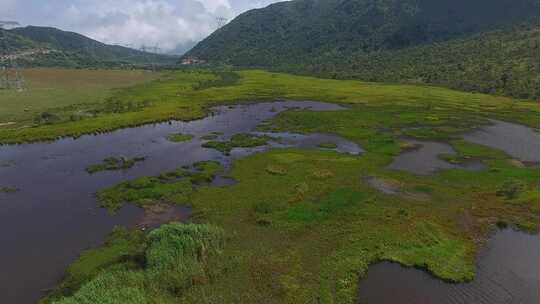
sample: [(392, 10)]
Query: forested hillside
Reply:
[(45, 46), (500, 62), (482, 45)]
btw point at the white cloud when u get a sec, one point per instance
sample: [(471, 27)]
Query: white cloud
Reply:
[(167, 23)]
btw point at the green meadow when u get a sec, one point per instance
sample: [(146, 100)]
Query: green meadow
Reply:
[(188, 94), (47, 90)]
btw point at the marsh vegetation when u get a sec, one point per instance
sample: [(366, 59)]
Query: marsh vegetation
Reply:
[(114, 163)]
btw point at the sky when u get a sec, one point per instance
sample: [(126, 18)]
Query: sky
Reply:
[(172, 25)]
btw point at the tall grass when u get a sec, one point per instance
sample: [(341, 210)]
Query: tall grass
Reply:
[(176, 259)]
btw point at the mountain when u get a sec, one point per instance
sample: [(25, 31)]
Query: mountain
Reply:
[(46, 46), (389, 40)]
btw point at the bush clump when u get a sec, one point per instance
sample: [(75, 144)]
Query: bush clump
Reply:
[(511, 189), (176, 259)]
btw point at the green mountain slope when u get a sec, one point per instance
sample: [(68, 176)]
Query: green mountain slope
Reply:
[(387, 40), (498, 62), (45, 46)]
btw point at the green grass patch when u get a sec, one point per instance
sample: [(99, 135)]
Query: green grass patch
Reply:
[(173, 187), (242, 140), (8, 189), (48, 90), (212, 136), (114, 163), (179, 137)]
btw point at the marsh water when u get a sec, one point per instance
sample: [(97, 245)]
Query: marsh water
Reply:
[(54, 215), (508, 272), (518, 141), (425, 158)]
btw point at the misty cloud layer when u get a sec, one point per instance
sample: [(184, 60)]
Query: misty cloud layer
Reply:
[(172, 25)]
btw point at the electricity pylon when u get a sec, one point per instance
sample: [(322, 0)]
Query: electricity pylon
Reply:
[(150, 54), (221, 21), (10, 76)]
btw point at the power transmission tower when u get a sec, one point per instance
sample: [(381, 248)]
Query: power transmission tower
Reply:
[(149, 54), (10, 75), (221, 21), (144, 49)]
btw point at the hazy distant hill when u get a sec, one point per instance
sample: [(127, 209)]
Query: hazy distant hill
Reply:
[(45, 46), (450, 42)]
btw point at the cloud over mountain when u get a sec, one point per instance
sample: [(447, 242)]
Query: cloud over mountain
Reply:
[(172, 25)]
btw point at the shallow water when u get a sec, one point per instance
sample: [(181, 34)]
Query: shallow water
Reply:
[(313, 141), (54, 216), (425, 159), (508, 272), (384, 186), (518, 141)]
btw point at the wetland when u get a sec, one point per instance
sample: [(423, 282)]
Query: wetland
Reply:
[(255, 200)]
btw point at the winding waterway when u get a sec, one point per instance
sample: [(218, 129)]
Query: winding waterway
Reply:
[(45, 225)]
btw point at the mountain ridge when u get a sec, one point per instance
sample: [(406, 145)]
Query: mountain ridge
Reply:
[(33, 46)]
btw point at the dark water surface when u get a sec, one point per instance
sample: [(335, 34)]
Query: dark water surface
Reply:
[(518, 141), (425, 159), (45, 225), (508, 272)]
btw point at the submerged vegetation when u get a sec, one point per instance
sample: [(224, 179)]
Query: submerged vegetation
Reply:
[(8, 189), (242, 140), (113, 163), (328, 145), (179, 137), (212, 136)]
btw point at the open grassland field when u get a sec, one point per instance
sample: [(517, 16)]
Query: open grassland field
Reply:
[(187, 95), (50, 89), (316, 225)]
